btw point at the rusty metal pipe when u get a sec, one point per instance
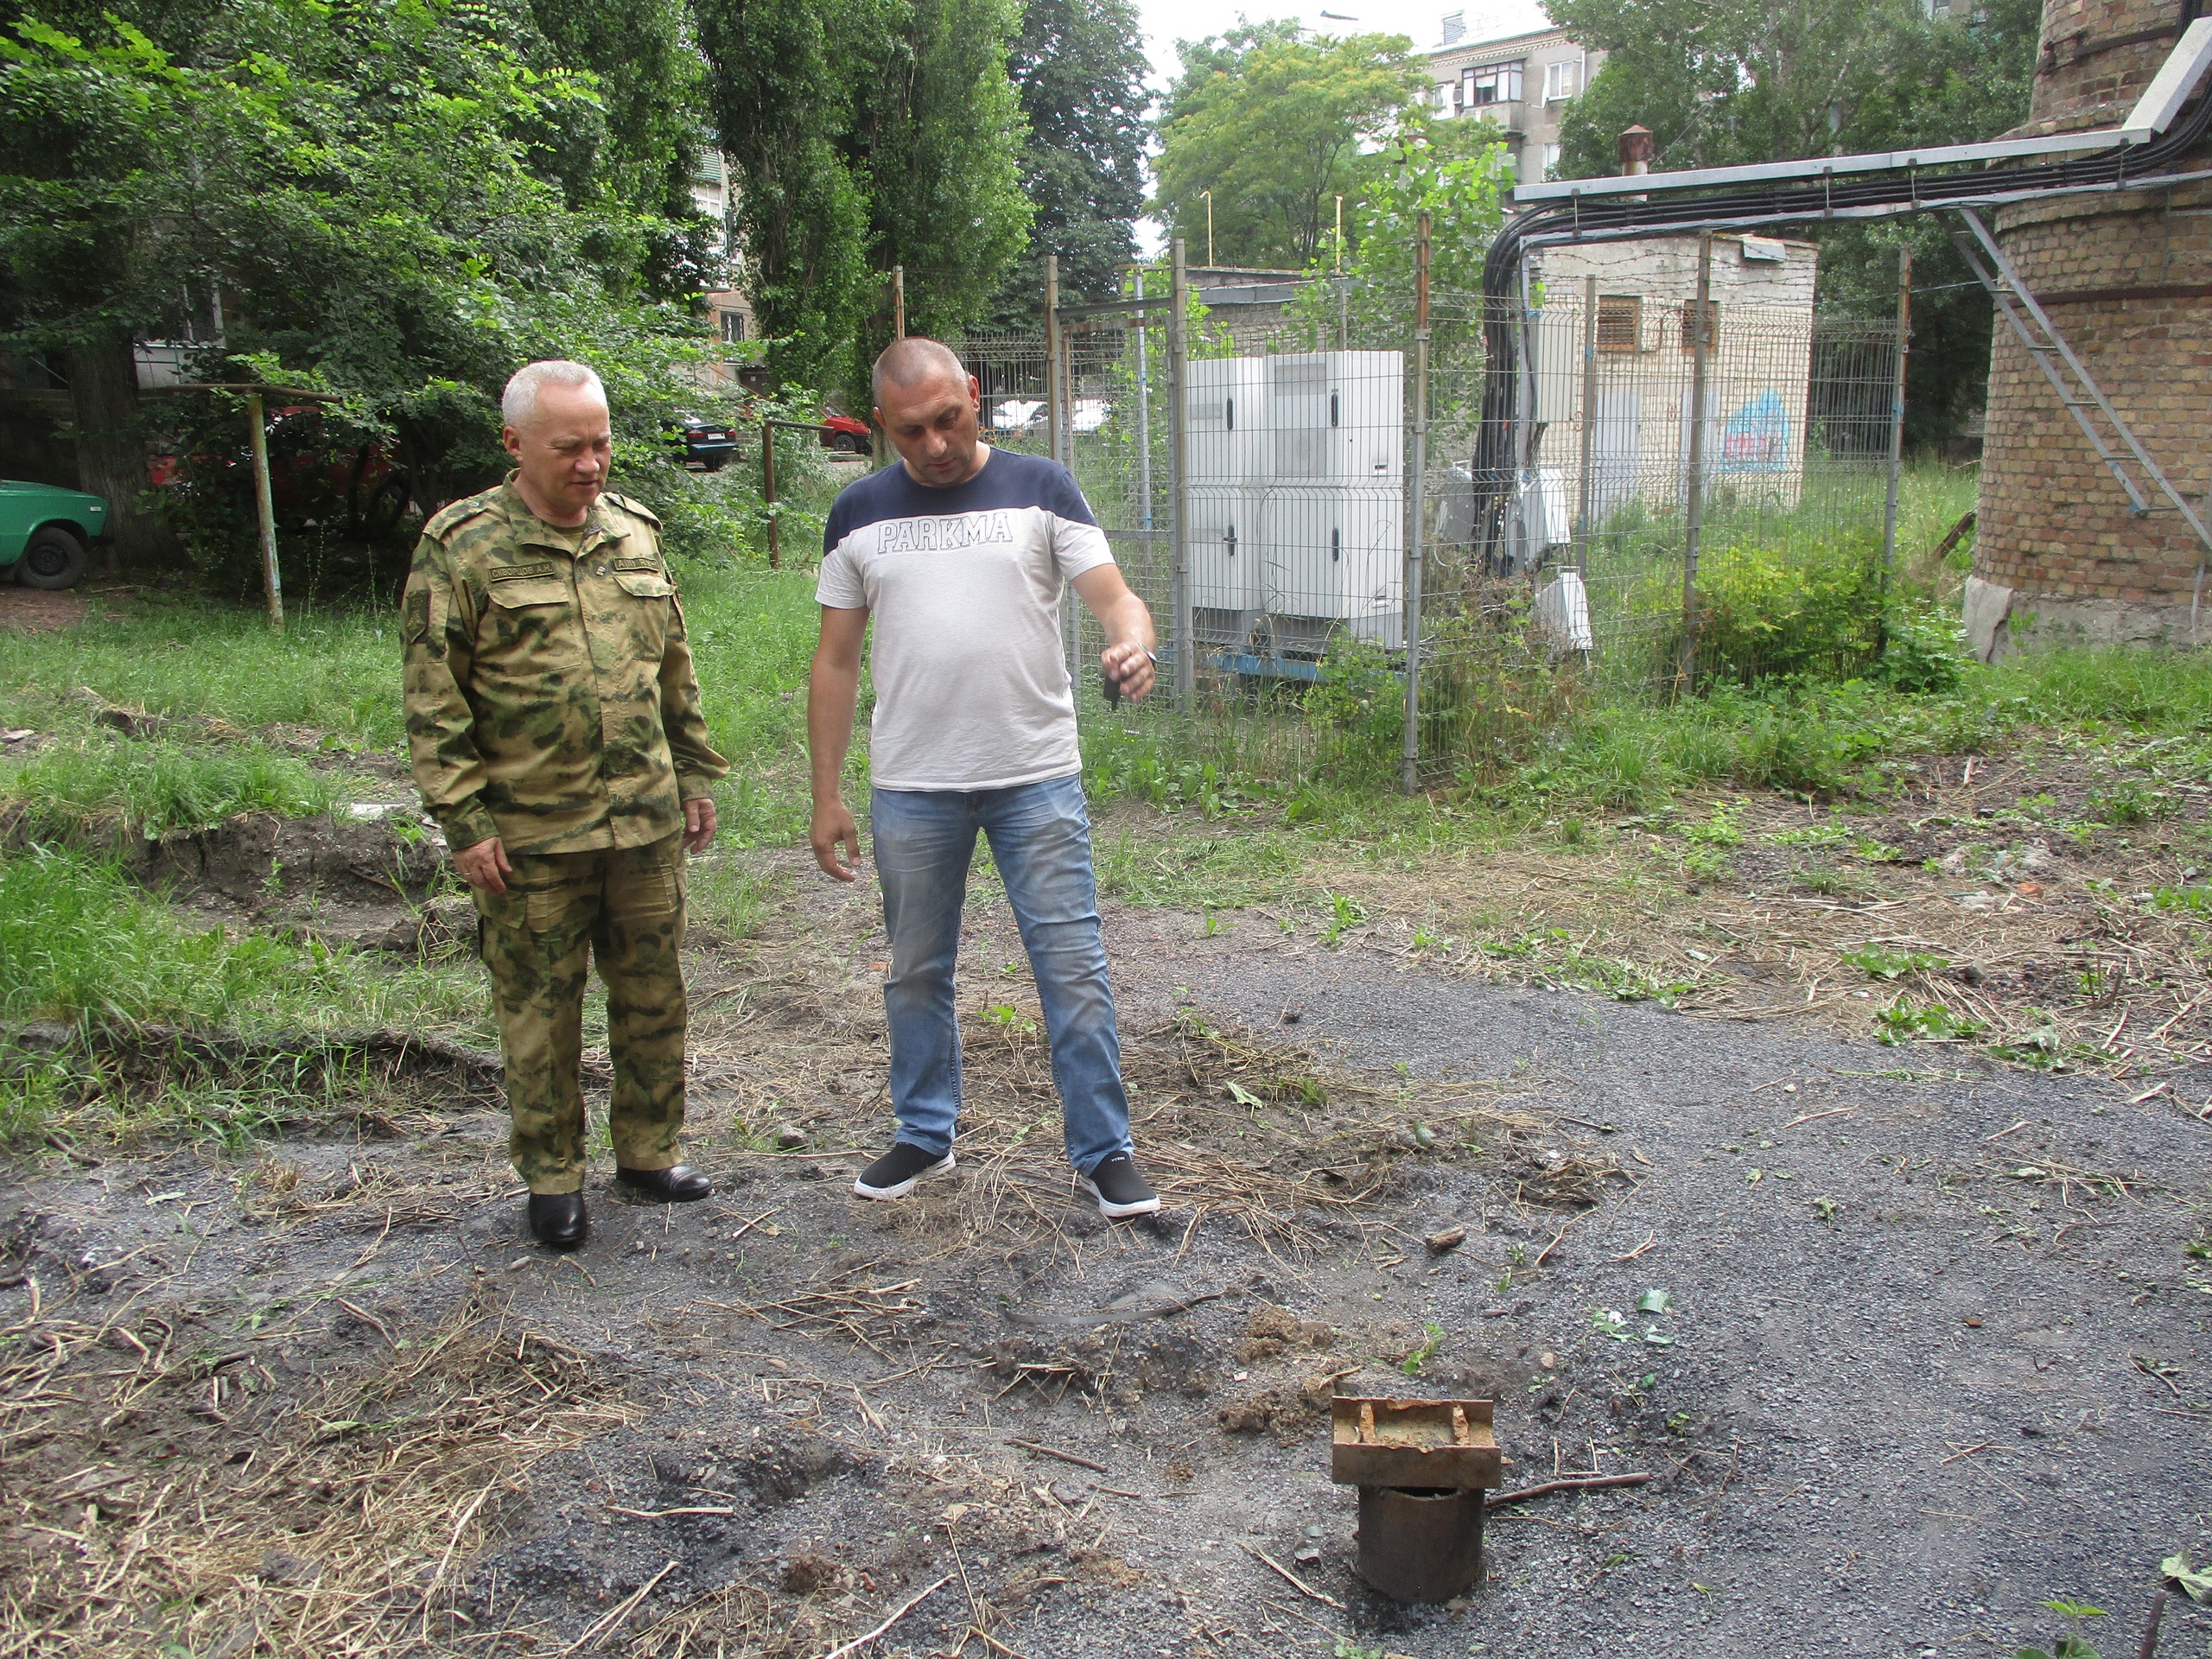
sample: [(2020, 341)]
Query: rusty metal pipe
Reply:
[(1423, 1545)]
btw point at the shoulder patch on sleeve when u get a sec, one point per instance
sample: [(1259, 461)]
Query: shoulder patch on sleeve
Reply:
[(454, 515), (635, 508)]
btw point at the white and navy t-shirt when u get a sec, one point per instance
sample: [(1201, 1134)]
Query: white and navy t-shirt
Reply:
[(971, 683)]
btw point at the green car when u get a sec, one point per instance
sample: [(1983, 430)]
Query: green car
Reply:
[(44, 532)]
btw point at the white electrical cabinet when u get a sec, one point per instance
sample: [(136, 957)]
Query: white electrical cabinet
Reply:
[(1295, 515), (1228, 421), (1338, 417), (1335, 559), (1228, 580)]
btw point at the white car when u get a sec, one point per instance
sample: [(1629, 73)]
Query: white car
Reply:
[(1018, 415)]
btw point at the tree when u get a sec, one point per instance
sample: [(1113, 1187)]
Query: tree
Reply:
[(1272, 124), (1725, 82), (1078, 67), (866, 134), (394, 204), (1457, 172)]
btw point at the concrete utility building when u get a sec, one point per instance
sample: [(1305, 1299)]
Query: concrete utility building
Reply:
[(2127, 278), (1759, 372)]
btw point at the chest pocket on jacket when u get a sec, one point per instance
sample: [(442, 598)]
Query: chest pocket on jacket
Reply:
[(643, 584), (528, 615)]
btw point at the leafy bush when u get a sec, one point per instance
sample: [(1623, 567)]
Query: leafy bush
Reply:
[(1806, 609), (1923, 649), (1357, 707)]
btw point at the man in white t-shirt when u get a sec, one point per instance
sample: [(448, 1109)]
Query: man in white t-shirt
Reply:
[(963, 554)]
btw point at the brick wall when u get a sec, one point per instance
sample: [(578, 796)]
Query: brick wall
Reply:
[(2128, 281)]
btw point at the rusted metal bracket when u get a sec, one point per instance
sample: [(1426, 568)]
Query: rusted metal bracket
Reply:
[(1421, 1467)]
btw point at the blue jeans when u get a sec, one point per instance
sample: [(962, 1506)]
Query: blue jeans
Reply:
[(1041, 840)]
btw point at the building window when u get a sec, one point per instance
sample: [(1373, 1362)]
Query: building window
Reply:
[(1447, 98), (1495, 83), (1711, 324), (1620, 322), (1550, 161), (1558, 82), (733, 327)]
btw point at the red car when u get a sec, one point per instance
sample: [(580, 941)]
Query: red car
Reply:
[(845, 435), (314, 477)]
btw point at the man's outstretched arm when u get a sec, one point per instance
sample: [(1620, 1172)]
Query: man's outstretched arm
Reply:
[(833, 690), (1126, 659)]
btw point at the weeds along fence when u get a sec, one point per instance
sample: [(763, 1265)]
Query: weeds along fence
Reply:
[(1314, 539)]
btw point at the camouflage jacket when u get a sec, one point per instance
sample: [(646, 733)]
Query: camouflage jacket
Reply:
[(551, 696)]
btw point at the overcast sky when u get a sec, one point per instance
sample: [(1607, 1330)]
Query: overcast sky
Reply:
[(1167, 22)]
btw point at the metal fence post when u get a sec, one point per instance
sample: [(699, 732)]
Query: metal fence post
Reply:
[(1897, 415), (1144, 417), (1415, 527), (1179, 484), (1694, 492), (768, 492), (1584, 495), (272, 581), (1052, 358)]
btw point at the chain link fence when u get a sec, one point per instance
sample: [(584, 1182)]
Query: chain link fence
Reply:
[(1312, 534)]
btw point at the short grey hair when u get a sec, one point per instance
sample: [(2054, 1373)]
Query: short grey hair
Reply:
[(913, 359), (518, 402)]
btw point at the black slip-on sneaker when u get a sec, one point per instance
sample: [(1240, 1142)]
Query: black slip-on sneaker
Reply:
[(1120, 1189), (899, 1170)]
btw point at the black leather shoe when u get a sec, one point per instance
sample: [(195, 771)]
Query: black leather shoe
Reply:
[(558, 1219), (679, 1184)]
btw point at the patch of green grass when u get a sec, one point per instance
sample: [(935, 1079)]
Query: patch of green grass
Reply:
[(334, 669), (159, 787), (732, 895), (1158, 864), (78, 944)]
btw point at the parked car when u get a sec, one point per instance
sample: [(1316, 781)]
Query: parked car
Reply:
[(1018, 415), (845, 435), (708, 445), (313, 475), (45, 532)]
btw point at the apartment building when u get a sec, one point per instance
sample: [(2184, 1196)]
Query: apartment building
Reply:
[(1521, 81)]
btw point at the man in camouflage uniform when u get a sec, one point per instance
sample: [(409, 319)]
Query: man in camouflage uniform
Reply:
[(554, 722)]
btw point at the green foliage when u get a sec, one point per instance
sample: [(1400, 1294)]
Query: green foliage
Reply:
[(1458, 171), (1878, 962), (2073, 1643), (1357, 706), (1806, 608), (1906, 1022), (1078, 67), (78, 943), (157, 788), (1720, 82), (1923, 649), (866, 134), (399, 206), (2129, 802), (1274, 124)]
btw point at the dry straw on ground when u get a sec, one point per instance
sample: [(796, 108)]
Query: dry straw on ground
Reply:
[(332, 1522)]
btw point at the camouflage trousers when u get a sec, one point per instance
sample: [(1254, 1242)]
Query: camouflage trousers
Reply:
[(624, 908)]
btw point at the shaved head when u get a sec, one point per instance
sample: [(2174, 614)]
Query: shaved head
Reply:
[(912, 361)]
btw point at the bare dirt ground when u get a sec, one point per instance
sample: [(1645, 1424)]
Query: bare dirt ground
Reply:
[(1929, 1345)]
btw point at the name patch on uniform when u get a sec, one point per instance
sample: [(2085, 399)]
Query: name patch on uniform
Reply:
[(943, 535), (638, 561), (522, 572)]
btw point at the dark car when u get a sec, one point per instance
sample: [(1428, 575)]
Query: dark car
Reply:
[(708, 445)]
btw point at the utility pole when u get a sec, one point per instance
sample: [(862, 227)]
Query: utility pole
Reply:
[(1415, 528), (898, 302), (1693, 502), (1179, 300), (1208, 194)]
